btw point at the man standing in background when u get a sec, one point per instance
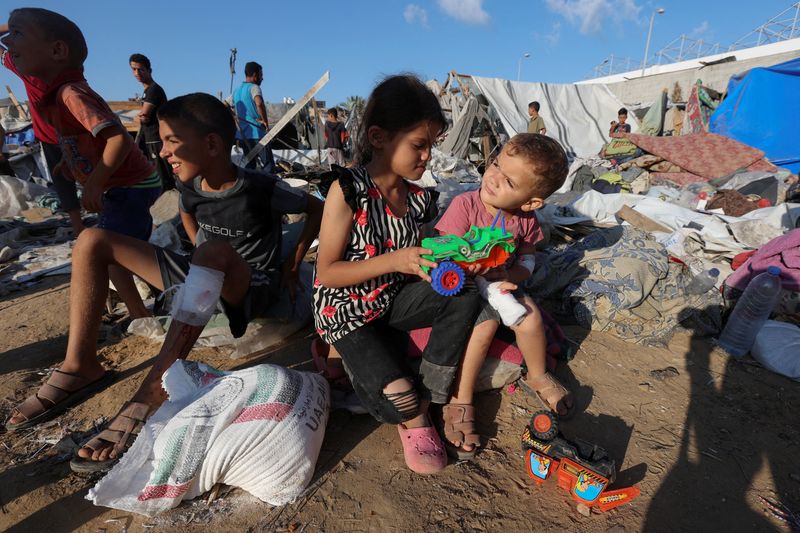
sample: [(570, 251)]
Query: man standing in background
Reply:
[(251, 113), (154, 98)]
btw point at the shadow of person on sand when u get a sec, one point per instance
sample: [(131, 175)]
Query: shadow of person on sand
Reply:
[(738, 422), (69, 513)]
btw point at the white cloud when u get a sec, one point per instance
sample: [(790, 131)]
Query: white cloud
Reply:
[(592, 16), (554, 36), (469, 11), (415, 14), (700, 30)]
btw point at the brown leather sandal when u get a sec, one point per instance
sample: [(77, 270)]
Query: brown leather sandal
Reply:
[(61, 391), (459, 426), (121, 432), (555, 396)]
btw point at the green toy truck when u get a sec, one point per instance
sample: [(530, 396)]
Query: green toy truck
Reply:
[(488, 247)]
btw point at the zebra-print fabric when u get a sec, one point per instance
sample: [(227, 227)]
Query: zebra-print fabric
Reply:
[(374, 231)]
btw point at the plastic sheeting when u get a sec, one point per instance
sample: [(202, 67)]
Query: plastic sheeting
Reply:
[(577, 116), (715, 238), (761, 110), (17, 195)]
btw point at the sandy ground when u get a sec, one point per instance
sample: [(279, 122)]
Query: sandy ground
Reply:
[(702, 443)]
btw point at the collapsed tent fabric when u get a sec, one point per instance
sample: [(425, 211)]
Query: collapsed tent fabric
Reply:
[(653, 121), (577, 116), (457, 142), (761, 110)]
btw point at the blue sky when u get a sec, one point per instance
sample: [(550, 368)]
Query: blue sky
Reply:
[(359, 41)]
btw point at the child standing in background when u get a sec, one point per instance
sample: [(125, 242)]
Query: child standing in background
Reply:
[(335, 135)]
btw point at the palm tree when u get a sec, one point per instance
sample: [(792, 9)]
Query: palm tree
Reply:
[(354, 104)]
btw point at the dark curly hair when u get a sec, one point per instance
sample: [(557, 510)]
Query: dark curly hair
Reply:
[(396, 104)]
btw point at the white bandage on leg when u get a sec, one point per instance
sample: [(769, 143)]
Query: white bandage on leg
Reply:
[(511, 311), (198, 296), (528, 262)]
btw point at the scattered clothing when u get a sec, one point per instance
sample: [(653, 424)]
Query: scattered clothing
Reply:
[(677, 179), (732, 203), (610, 183), (699, 108), (783, 252), (621, 281), (618, 147), (583, 179)]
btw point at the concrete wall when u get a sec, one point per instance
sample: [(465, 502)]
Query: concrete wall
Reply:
[(645, 90)]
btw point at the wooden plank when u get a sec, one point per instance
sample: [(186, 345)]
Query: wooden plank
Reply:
[(316, 129), (22, 113), (634, 218), (124, 105), (287, 117)]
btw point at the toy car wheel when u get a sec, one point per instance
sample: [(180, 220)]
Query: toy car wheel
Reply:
[(543, 426), (447, 279)]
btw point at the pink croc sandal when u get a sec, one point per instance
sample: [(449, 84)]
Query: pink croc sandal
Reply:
[(423, 449)]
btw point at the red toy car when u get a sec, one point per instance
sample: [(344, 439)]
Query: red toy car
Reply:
[(582, 468)]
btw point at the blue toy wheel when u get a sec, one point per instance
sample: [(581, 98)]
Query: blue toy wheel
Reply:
[(447, 279)]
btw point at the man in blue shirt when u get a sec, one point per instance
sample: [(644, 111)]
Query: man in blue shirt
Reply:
[(251, 113)]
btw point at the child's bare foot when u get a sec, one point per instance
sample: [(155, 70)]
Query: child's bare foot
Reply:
[(552, 393)]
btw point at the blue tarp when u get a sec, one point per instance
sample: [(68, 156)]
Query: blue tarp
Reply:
[(762, 109)]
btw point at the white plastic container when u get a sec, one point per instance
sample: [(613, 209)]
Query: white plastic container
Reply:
[(777, 347)]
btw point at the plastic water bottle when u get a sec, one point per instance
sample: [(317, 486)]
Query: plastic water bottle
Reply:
[(751, 312), (703, 282)]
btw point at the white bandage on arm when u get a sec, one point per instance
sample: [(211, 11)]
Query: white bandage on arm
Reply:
[(197, 298), (527, 261), (510, 310)]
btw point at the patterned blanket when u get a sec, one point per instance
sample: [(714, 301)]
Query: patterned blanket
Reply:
[(621, 281), (705, 154)]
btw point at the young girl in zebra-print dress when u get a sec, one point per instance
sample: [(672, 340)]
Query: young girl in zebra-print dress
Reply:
[(370, 286)]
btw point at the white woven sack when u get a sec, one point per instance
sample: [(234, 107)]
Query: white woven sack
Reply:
[(259, 429)]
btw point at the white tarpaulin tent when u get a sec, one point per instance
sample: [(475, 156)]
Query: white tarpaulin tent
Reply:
[(578, 116)]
